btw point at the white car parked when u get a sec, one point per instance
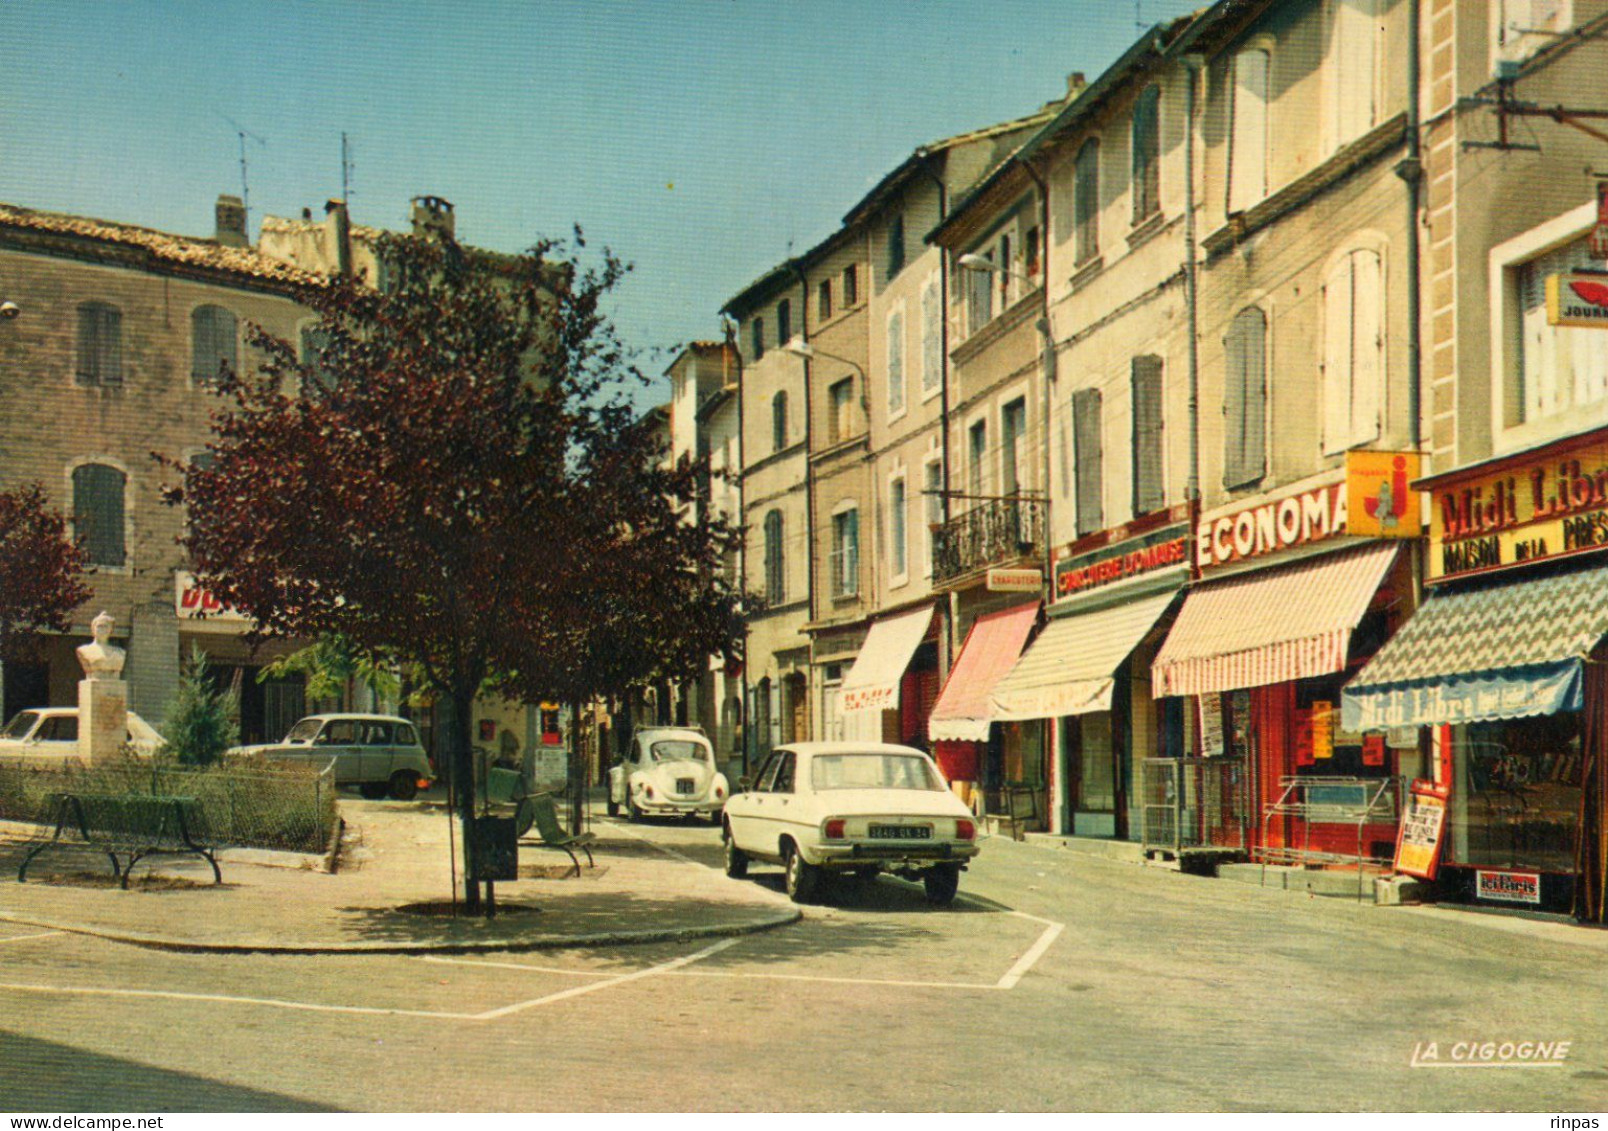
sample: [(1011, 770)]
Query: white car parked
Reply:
[(669, 772), (43, 736), (851, 807)]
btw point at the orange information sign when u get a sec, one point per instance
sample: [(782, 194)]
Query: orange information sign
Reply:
[(1418, 841)]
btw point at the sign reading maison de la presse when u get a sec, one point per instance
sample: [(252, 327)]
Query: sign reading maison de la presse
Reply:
[(1531, 509)]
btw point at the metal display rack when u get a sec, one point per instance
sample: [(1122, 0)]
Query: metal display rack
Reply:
[(1345, 801)]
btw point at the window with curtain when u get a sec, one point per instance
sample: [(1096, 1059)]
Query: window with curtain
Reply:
[(779, 420), (1356, 41), (1245, 399), (1088, 460), (898, 529), (775, 576), (1353, 351), (99, 513), (100, 344), (896, 374), (214, 337), (1086, 201), (1149, 457), (932, 349), (1247, 157), (1147, 153)]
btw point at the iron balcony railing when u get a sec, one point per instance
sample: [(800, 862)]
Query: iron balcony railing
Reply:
[(1004, 530)]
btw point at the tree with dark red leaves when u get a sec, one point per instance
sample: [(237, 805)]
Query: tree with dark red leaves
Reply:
[(457, 481), (41, 571)]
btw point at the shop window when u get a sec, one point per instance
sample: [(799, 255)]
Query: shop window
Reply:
[(1516, 793), (1353, 351), (99, 512), (1559, 368), (1245, 400), (100, 344), (1147, 154), (1149, 489), (1247, 158), (1356, 41), (214, 344)]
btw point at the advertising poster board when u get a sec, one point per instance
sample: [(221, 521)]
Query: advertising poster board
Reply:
[(1418, 842)]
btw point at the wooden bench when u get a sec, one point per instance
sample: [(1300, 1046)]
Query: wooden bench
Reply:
[(136, 825), (552, 834)]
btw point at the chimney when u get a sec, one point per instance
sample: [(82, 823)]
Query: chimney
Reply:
[(335, 213), (1075, 83), (230, 214), (432, 216)]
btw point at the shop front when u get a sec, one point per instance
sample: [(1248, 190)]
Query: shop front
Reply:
[(1503, 669), (886, 695), (962, 728), (1295, 593)]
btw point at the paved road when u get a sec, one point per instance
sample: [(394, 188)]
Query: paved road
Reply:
[(1059, 981)]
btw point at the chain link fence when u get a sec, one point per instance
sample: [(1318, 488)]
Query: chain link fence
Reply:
[(290, 809)]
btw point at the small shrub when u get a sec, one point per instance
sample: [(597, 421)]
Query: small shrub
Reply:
[(202, 719)]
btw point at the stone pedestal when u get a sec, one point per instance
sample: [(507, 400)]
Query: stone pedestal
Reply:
[(102, 719)]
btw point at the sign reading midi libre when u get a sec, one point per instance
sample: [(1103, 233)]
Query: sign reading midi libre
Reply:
[(1525, 510)]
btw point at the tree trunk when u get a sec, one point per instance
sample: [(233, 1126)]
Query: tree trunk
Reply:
[(461, 740), (580, 780)]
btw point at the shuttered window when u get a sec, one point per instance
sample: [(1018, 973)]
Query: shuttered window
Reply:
[(898, 527), (841, 422), (1355, 42), (1146, 153), (823, 300), (896, 246), (846, 553), (1089, 460), (896, 374), (779, 421), (978, 457), (1086, 200), (932, 348), (1559, 367), (775, 577), (934, 509), (1353, 351), (100, 344), (756, 332), (784, 322), (213, 343), (1247, 159), (98, 512), (851, 285), (979, 296), (1013, 426), (1149, 460), (1245, 400)]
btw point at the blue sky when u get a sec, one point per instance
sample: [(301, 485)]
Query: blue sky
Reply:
[(698, 138)]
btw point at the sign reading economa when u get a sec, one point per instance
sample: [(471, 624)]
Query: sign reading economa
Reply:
[(1370, 497), (1528, 509)]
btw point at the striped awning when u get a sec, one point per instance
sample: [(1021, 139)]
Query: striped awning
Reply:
[(1255, 629), (1500, 651), (1070, 669), (965, 710), (872, 684)]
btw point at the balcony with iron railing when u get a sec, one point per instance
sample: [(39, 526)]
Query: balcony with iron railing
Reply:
[(999, 532)]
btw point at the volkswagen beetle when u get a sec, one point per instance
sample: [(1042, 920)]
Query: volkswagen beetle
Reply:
[(668, 772)]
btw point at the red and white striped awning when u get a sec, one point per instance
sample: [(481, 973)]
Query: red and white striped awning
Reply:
[(965, 710), (1255, 629)]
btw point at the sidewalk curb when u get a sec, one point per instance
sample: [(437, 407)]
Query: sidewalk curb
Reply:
[(463, 946)]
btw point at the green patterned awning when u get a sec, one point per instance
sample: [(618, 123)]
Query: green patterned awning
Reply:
[(1499, 651)]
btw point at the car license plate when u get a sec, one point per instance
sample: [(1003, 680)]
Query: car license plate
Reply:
[(901, 832), (686, 785)]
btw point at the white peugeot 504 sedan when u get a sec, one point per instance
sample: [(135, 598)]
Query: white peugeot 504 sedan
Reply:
[(668, 772), (851, 807)]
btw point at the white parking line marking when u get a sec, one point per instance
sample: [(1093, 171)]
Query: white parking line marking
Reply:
[(35, 935), (1034, 952), (313, 1007), (837, 981), (576, 991), (516, 966)]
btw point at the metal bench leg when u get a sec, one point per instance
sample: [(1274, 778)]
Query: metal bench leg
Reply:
[(590, 863), (217, 874)]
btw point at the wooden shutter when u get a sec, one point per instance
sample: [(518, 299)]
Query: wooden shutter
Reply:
[(1367, 346), (1354, 43), (1146, 148), (1149, 488), (1089, 458), (1245, 400), (779, 421), (100, 344), (1247, 170), (1338, 335), (98, 512), (896, 377), (1086, 200), (212, 343)]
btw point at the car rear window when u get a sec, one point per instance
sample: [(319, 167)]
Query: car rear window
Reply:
[(873, 771), (21, 724), (679, 751)]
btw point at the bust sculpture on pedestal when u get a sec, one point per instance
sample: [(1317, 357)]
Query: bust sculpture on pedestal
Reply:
[(102, 659), (102, 696)]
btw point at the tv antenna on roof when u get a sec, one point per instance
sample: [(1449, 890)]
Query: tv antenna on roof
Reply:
[(347, 165), (245, 182), (1138, 15)]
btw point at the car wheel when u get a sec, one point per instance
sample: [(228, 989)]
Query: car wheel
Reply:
[(717, 818), (736, 859), (404, 785), (802, 877), (942, 881), (614, 806), (632, 813), (374, 790)]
